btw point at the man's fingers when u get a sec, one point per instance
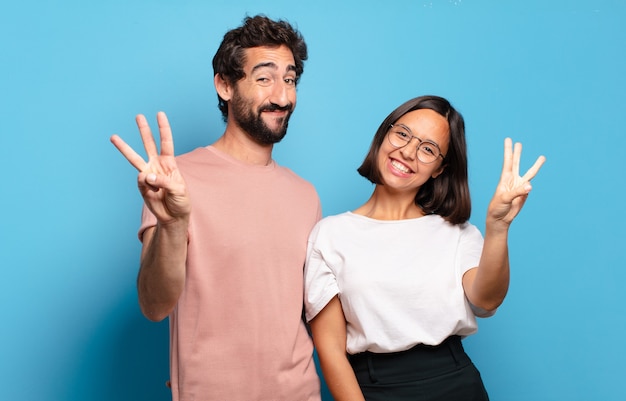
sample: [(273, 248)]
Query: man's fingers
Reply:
[(165, 131), (149, 180), (167, 144), (129, 153), (146, 136)]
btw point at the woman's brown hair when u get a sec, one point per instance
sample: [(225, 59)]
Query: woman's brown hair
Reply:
[(448, 194)]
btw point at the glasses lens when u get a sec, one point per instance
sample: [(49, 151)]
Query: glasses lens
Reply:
[(398, 136), (427, 152)]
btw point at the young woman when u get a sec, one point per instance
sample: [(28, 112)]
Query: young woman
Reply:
[(392, 287)]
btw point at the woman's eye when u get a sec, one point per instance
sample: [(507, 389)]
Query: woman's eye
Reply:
[(428, 149), (402, 134)]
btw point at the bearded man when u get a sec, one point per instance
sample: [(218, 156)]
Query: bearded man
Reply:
[(224, 232)]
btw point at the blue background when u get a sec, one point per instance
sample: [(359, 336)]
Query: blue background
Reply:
[(547, 73)]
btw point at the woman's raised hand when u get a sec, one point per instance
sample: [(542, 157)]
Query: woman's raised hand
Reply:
[(513, 189)]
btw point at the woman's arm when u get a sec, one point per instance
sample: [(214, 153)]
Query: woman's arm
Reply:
[(486, 285), (329, 336)]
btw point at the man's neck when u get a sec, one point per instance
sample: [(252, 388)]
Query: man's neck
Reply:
[(240, 146)]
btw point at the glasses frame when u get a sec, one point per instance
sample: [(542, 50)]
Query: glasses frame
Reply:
[(419, 145)]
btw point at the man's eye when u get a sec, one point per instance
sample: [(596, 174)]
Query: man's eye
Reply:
[(264, 81), (290, 81)]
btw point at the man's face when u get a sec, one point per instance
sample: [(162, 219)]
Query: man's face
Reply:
[(264, 99)]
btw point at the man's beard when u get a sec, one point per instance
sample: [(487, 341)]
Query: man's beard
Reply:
[(253, 124)]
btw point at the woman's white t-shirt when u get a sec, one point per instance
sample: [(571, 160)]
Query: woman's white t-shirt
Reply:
[(399, 281)]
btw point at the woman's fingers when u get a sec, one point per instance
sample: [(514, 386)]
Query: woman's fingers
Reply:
[(532, 172), (508, 156), (517, 156), (512, 160)]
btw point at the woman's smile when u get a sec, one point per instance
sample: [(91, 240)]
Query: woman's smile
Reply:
[(399, 167)]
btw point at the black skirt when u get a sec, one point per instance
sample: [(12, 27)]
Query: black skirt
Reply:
[(422, 373)]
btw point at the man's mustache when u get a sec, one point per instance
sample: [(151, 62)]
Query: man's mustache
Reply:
[(275, 107)]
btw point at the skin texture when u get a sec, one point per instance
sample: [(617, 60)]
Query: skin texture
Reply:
[(266, 95), (402, 174)]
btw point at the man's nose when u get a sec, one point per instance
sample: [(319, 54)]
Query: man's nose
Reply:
[(280, 94)]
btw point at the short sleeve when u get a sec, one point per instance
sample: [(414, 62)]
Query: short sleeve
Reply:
[(470, 247), (320, 282), (471, 250), (147, 220), (480, 312)]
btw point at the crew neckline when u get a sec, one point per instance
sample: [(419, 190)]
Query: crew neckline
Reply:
[(227, 157), (414, 219)]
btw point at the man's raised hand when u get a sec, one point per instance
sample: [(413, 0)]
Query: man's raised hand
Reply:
[(160, 183)]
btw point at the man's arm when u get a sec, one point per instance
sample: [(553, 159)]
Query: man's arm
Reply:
[(161, 276), (162, 272)]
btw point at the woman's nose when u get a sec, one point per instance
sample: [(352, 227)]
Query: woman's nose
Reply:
[(409, 151)]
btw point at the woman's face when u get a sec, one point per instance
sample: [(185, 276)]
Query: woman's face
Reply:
[(399, 167)]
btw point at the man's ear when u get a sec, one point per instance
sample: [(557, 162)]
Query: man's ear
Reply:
[(222, 87)]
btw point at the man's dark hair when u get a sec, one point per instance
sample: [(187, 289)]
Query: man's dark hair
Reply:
[(255, 31)]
